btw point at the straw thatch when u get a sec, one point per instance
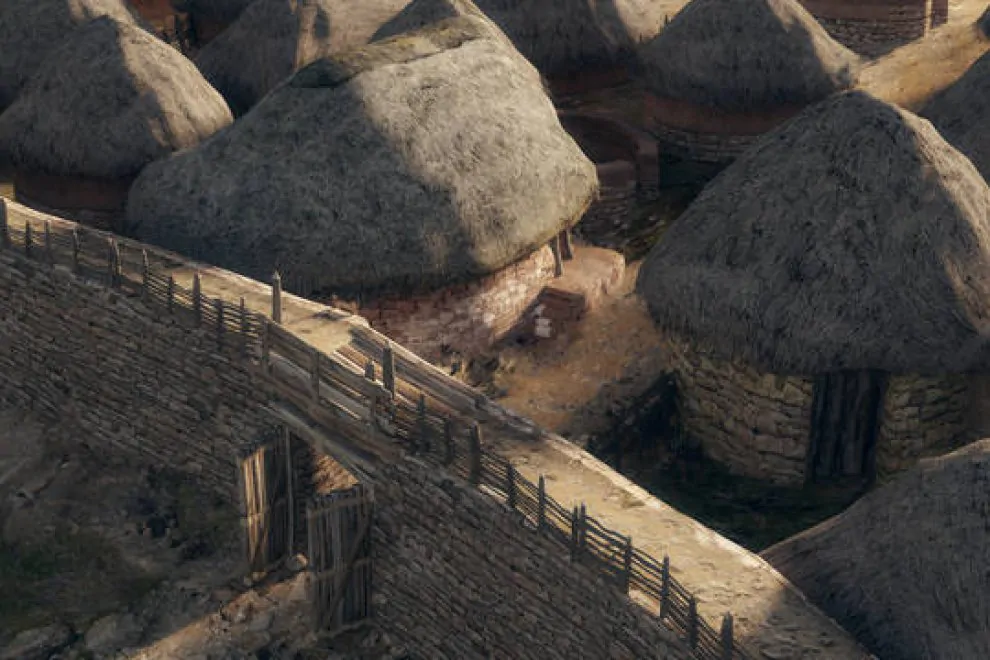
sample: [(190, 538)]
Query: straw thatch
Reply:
[(960, 113), (29, 29), (560, 37), (269, 41), (905, 568), (852, 237), (746, 57), (107, 101), (409, 164)]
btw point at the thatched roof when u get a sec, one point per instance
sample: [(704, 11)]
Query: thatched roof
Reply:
[(29, 29), (409, 164), (852, 237), (960, 114), (107, 101), (269, 41), (746, 57), (560, 37), (905, 568), (220, 11)]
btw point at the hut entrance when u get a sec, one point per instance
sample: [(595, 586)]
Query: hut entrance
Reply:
[(845, 421), (298, 501)]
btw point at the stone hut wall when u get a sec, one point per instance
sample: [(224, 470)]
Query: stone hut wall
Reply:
[(873, 27), (131, 378), (921, 416), (94, 202), (458, 577), (466, 318), (755, 424), (612, 213)]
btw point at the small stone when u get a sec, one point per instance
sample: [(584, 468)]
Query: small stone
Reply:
[(38, 643), (113, 632)]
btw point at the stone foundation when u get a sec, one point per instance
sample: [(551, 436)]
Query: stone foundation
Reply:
[(757, 425), (923, 416), (874, 27), (97, 203), (466, 318)]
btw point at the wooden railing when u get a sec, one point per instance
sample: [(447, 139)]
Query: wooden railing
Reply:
[(375, 394)]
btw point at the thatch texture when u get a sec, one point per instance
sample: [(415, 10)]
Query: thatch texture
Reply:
[(904, 568), (746, 57), (407, 165), (29, 29), (107, 101), (852, 237), (560, 37), (960, 114)]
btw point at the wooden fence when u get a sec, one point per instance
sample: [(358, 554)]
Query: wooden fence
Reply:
[(372, 389)]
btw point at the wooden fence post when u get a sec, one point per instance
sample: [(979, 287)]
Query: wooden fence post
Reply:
[(49, 250), (197, 296), (388, 368), (145, 274), (558, 262), (475, 473), (314, 373), (692, 622), (423, 433), (116, 268), (75, 250), (541, 504), (448, 441), (627, 557), (583, 536), (27, 238), (243, 318), (510, 485), (277, 297), (170, 293), (369, 370), (4, 225), (575, 533), (265, 345), (728, 643), (220, 325), (665, 587), (566, 248)]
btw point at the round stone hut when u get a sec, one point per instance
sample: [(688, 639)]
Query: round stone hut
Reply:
[(30, 29), (876, 27), (724, 72), (106, 102), (210, 17), (422, 177), (577, 45), (826, 299), (959, 113)]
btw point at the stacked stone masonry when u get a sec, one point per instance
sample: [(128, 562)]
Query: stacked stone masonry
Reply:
[(610, 217), (458, 577), (874, 27), (466, 318), (701, 147)]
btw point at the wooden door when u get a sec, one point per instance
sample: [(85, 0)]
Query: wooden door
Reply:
[(266, 498)]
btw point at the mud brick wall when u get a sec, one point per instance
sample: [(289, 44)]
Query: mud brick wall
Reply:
[(131, 377), (457, 576), (755, 424), (467, 318), (873, 27), (922, 415)]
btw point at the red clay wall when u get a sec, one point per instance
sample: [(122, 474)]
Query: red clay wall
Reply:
[(467, 318), (98, 203), (872, 27)]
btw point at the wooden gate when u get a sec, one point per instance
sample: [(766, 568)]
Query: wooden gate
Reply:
[(845, 422), (339, 530), (265, 477)]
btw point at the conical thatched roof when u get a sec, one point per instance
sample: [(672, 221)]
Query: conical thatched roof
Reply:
[(409, 164), (905, 568), (29, 29), (746, 57), (851, 237), (269, 41), (960, 114), (559, 37), (110, 99)]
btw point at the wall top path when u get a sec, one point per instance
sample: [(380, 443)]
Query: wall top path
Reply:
[(772, 617)]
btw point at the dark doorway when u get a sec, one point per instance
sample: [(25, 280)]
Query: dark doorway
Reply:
[(845, 421)]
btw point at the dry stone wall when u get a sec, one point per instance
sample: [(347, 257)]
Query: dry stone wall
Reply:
[(132, 378), (922, 415), (701, 147), (458, 577), (609, 218), (755, 424), (466, 318), (872, 28)]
